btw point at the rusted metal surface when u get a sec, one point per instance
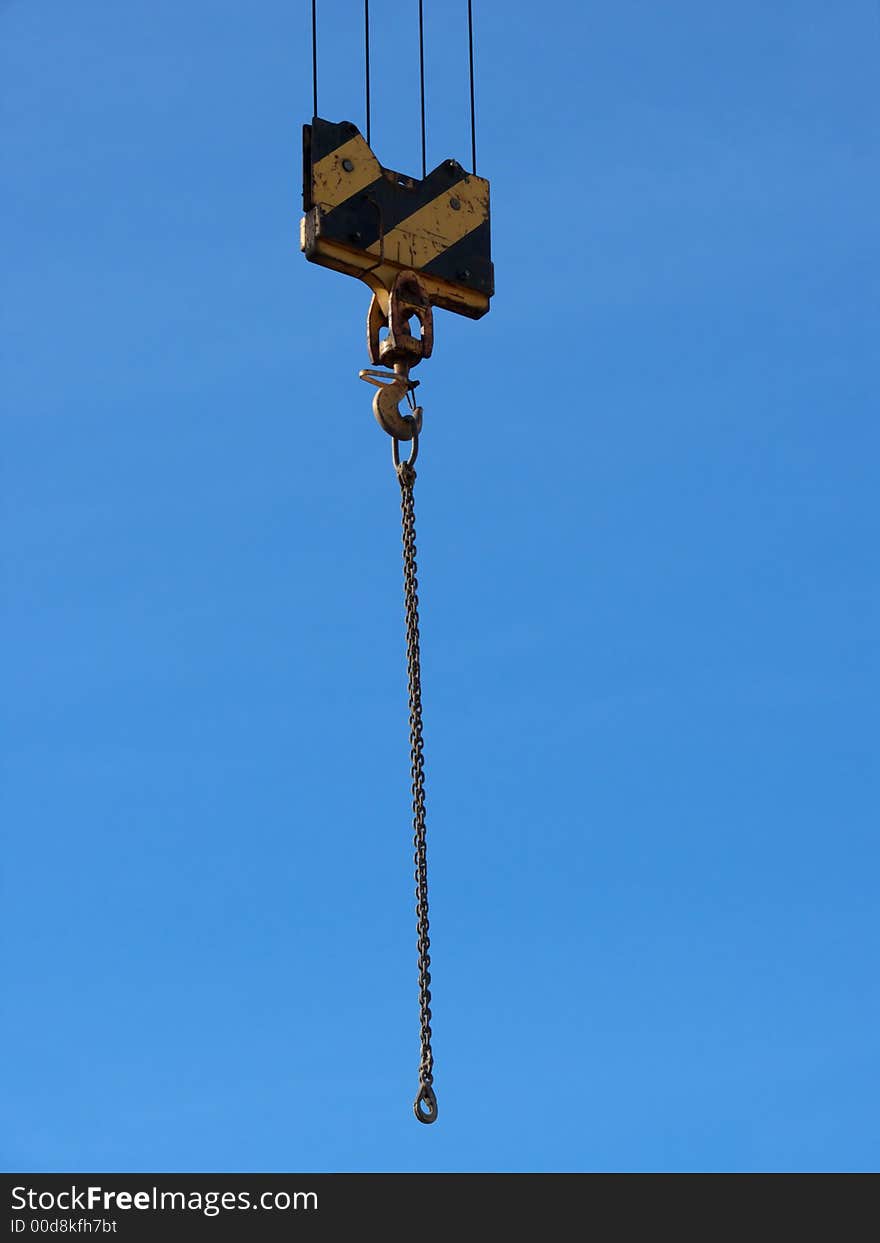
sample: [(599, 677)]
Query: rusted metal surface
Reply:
[(401, 350), (407, 300)]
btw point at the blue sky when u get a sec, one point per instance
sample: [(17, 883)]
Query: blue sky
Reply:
[(647, 534)]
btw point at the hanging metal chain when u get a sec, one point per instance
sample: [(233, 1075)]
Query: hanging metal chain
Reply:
[(425, 1104)]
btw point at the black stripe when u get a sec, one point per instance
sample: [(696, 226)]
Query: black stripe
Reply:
[(307, 168), (328, 135), (467, 262)]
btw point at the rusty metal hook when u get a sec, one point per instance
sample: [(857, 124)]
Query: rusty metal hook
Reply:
[(392, 388)]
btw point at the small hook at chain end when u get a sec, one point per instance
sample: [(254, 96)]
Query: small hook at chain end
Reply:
[(425, 1104)]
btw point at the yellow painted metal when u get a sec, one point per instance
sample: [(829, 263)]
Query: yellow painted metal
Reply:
[(333, 181), (380, 276), (435, 227)]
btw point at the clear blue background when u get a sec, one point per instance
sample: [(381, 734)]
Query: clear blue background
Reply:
[(647, 534)]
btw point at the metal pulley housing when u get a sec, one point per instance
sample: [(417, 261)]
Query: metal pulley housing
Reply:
[(371, 222)]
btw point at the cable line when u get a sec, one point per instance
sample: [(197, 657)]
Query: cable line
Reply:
[(422, 82), (314, 58), (367, 62), (471, 62)]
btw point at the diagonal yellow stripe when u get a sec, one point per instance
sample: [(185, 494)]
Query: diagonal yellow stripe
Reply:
[(438, 225), (333, 183)]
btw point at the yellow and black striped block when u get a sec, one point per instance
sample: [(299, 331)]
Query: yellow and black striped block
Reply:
[(371, 222)]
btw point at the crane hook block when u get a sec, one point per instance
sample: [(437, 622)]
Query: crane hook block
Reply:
[(369, 221)]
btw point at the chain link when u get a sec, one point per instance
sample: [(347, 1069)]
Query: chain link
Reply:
[(425, 1104)]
